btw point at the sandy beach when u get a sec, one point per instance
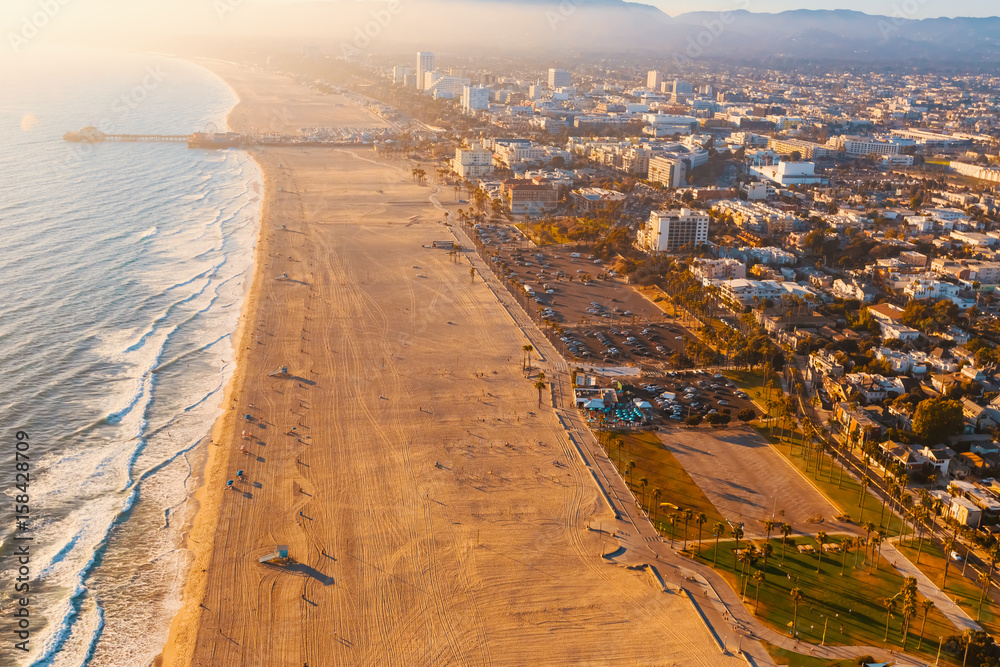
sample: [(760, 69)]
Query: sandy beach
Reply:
[(436, 515)]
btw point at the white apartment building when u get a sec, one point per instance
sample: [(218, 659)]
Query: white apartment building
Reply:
[(869, 146), (747, 292), (790, 173), (654, 79), (425, 64), (983, 173), (472, 162), (718, 269), (666, 124), (514, 153), (558, 78), (931, 289), (670, 231), (475, 98), (669, 171), (444, 85)]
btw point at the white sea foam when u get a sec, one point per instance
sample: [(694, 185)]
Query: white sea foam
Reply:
[(116, 359)]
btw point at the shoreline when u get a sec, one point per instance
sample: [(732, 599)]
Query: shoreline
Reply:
[(199, 532), (433, 513)]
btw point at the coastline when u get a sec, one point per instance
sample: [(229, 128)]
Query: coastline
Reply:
[(199, 534), (433, 513)]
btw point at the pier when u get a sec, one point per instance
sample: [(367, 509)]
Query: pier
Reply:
[(212, 140), (146, 137)]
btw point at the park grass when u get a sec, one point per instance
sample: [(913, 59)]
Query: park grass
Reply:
[(659, 298), (851, 601), (842, 490), (785, 657), (655, 462), (750, 382), (963, 591)]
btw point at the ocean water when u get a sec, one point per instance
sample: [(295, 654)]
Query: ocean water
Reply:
[(123, 268)]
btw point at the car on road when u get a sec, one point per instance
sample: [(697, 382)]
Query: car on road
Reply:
[(955, 556), (679, 338)]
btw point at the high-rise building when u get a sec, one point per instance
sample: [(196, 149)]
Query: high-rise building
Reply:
[(671, 231), (682, 87), (475, 98), (425, 63), (558, 78), (653, 80), (399, 73), (472, 162)]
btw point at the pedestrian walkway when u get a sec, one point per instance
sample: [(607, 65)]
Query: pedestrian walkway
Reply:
[(929, 589)]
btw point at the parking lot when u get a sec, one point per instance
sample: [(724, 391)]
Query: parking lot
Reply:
[(600, 317), (681, 394), (747, 480)]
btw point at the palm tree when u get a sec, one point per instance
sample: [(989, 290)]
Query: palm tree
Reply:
[(985, 580), (786, 531), (672, 519), (949, 546), (540, 385), (890, 605), (629, 467), (821, 539), (869, 528), (700, 519), (758, 579), (688, 515), (925, 605), (655, 497), (846, 545), (738, 534), (909, 609), (527, 349), (748, 558), (877, 539), (797, 598), (643, 483), (719, 529)]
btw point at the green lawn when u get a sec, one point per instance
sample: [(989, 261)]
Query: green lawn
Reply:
[(655, 462), (783, 657), (653, 293), (849, 604), (965, 592)]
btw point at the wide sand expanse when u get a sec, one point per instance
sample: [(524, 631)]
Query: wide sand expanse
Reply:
[(436, 515)]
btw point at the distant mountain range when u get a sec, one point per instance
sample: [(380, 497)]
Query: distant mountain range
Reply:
[(573, 27), (850, 35)]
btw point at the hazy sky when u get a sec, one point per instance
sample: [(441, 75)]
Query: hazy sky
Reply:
[(17, 9)]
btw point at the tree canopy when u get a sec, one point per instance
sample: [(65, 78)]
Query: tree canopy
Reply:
[(936, 418)]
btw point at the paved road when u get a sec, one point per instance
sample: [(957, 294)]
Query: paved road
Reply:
[(929, 589)]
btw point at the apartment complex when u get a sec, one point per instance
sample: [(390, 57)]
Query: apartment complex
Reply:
[(670, 231), (472, 162)]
